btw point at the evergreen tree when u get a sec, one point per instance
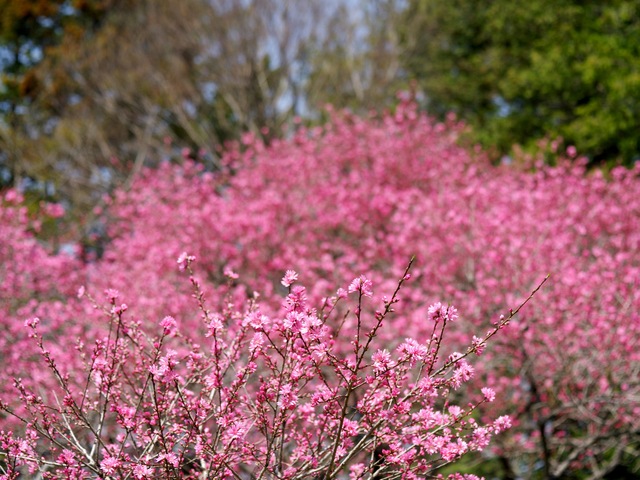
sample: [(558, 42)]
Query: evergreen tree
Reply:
[(520, 71)]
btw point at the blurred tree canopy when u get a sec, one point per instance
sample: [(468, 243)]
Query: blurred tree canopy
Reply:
[(520, 71), (31, 30), (90, 90)]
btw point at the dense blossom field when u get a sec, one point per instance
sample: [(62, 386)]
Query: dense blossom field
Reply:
[(256, 354)]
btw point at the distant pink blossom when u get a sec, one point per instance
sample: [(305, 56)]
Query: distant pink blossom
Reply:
[(169, 325), (32, 322), (502, 423), (489, 394), (289, 277), (381, 360), (170, 458), (110, 464), (142, 472), (360, 194), (184, 260), (362, 285), (119, 309), (438, 312), (478, 345), (112, 294), (230, 273), (54, 210)]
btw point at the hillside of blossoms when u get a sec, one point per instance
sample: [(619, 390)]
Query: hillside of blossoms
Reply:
[(367, 299)]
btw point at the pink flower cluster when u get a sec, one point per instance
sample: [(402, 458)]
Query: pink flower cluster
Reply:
[(265, 396), (363, 195)]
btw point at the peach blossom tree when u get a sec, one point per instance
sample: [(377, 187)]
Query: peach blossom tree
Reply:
[(359, 196)]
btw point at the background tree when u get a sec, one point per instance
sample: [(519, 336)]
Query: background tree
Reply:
[(364, 195), (520, 71), (358, 67), (85, 82), (92, 90), (29, 31)]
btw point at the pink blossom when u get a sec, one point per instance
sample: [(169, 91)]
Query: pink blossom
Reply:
[(289, 277), (478, 345), (438, 312), (143, 472), (356, 471), (170, 458), (112, 294), (54, 210), (257, 320), (214, 323), (67, 456), (184, 260), (502, 423), (362, 285), (32, 322), (381, 190), (381, 360), (481, 438), (489, 394), (455, 410), (230, 273), (110, 464), (164, 370), (169, 325), (119, 309)]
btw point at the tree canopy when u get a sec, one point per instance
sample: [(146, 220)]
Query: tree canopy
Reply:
[(521, 71), (359, 196), (92, 89)]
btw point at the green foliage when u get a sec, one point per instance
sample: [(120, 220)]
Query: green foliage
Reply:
[(521, 71)]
